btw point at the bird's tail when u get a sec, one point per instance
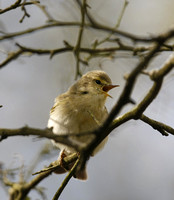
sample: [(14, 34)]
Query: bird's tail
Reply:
[(81, 174)]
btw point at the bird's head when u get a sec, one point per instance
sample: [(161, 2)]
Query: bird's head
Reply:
[(93, 83)]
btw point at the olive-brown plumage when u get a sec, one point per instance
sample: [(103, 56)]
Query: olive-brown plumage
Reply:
[(81, 109)]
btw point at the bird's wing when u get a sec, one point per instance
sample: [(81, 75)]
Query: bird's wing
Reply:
[(61, 119), (61, 116)]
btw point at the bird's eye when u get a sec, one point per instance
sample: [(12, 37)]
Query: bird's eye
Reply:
[(84, 92), (98, 82)]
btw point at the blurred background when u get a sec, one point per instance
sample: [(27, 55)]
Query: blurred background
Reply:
[(137, 162)]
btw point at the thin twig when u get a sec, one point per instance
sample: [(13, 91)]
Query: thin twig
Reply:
[(159, 126), (56, 164), (26, 14), (16, 5), (38, 28), (28, 131), (96, 26), (52, 52), (44, 10), (66, 180), (116, 26), (79, 40)]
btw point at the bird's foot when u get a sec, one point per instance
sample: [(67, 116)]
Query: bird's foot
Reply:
[(62, 162)]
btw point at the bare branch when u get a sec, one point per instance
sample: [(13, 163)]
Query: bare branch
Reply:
[(11, 56), (20, 190), (16, 5), (66, 180), (79, 40), (56, 164), (27, 131), (159, 126), (44, 10), (95, 26), (32, 30), (99, 51), (26, 14)]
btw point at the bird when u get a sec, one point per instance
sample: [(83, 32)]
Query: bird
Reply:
[(81, 109)]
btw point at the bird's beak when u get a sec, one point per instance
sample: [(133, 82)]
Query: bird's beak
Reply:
[(106, 88)]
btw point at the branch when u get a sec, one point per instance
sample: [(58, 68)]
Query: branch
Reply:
[(79, 40), (26, 14), (69, 48), (11, 56), (93, 25), (96, 25), (20, 190), (56, 164), (44, 10), (66, 180), (52, 52), (43, 133), (13, 6), (106, 39), (38, 28), (16, 5), (159, 126), (22, 50)]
